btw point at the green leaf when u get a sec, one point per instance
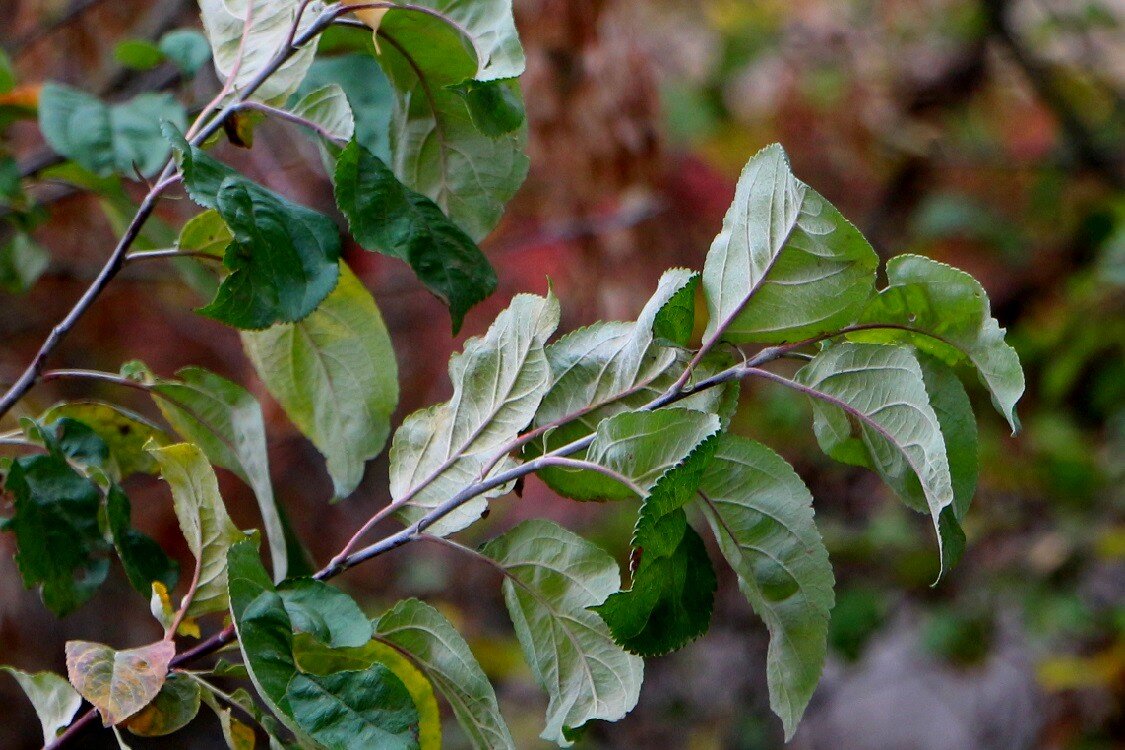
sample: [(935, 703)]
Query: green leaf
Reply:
[(786, 264), (425, 636), (366, 708), (22, 262), (141, 556), (204, 233), (324, 612), (328, 107), (958, 428), (118, 683), (124, 433), (664, 453), (187, 49), (387, 217), (437, 149), (203, 174), (345, 710), (225, 421), (54, 699), (313, 657), (495, 106), (870, 402), (7, 73), (439, 450), (553, 577), (283, 260), (761, 514), (58, 537), (367, 89), (270, 22), (950, 317), (171, 710), (138, 54), (107, 139), (265, 633), (335, 375), (203, 519)]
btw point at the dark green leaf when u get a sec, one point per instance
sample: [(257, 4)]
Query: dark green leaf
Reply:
[(346, 710), (141, 556), (673, 589), (283, 260), (59, 541), (325, 612), (495, 106), (388, 217), (367, 708)]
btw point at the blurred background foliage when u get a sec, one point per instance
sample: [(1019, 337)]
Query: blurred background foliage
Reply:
[(989, 134)]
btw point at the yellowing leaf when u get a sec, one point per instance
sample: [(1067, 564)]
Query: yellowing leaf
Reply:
[(372, 17), (118, 683), (429, 717), (174, 707), (203, 519)]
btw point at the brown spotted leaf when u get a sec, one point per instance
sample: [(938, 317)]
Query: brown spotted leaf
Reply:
[(118, 683)]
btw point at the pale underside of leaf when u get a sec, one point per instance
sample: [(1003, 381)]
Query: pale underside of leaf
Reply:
[(498, 382), (55, 700), (882, 387), (761, 514), (553, 577)]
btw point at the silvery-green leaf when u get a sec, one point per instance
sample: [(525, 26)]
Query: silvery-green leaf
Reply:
[(54, 699), (423, 634), (873, 397), (553, 578), (270, 22), (761, 514), (335, 375), (203, 519), (328, 107), (498, 382), (595, 365), (950, 313), (786, 264)]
